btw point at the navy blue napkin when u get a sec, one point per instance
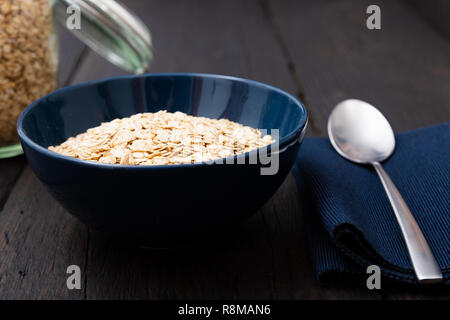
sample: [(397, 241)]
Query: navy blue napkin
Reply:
[(350, 222)]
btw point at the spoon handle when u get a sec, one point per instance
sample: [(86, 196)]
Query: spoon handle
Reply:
[(425, 265)]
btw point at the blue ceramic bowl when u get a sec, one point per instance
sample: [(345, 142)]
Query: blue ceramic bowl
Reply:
[(160, 202)]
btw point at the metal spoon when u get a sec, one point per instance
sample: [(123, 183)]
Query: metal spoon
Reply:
[(360, 133)]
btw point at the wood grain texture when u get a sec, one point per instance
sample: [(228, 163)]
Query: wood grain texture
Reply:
[(9, 172), (402, 69), (436, 13), (224, 37), (38, 241)]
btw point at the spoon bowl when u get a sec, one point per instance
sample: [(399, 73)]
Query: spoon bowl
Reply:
[(360, 133)]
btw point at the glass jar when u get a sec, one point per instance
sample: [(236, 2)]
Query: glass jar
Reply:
[(29, 50), (28, 63)]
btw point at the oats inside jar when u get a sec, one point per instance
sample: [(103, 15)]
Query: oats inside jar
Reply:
[(27, 60), (163, 138)]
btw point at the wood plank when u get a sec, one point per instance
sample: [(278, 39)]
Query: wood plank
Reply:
[(223, 268), (436, 13), (224, 37), (402, 69), (9, 172), (38, 241)]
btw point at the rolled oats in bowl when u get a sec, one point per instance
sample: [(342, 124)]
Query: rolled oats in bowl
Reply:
[(163, 138), (28, 60)]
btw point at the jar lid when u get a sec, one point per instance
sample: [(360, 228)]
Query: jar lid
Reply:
[(111, 30)]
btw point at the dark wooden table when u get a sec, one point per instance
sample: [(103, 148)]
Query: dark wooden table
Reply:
[(322, 52)]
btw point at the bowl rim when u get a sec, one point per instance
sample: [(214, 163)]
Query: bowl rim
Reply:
[(287, 139)]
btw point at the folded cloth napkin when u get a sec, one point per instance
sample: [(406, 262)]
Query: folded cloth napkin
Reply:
[(350, 222)]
